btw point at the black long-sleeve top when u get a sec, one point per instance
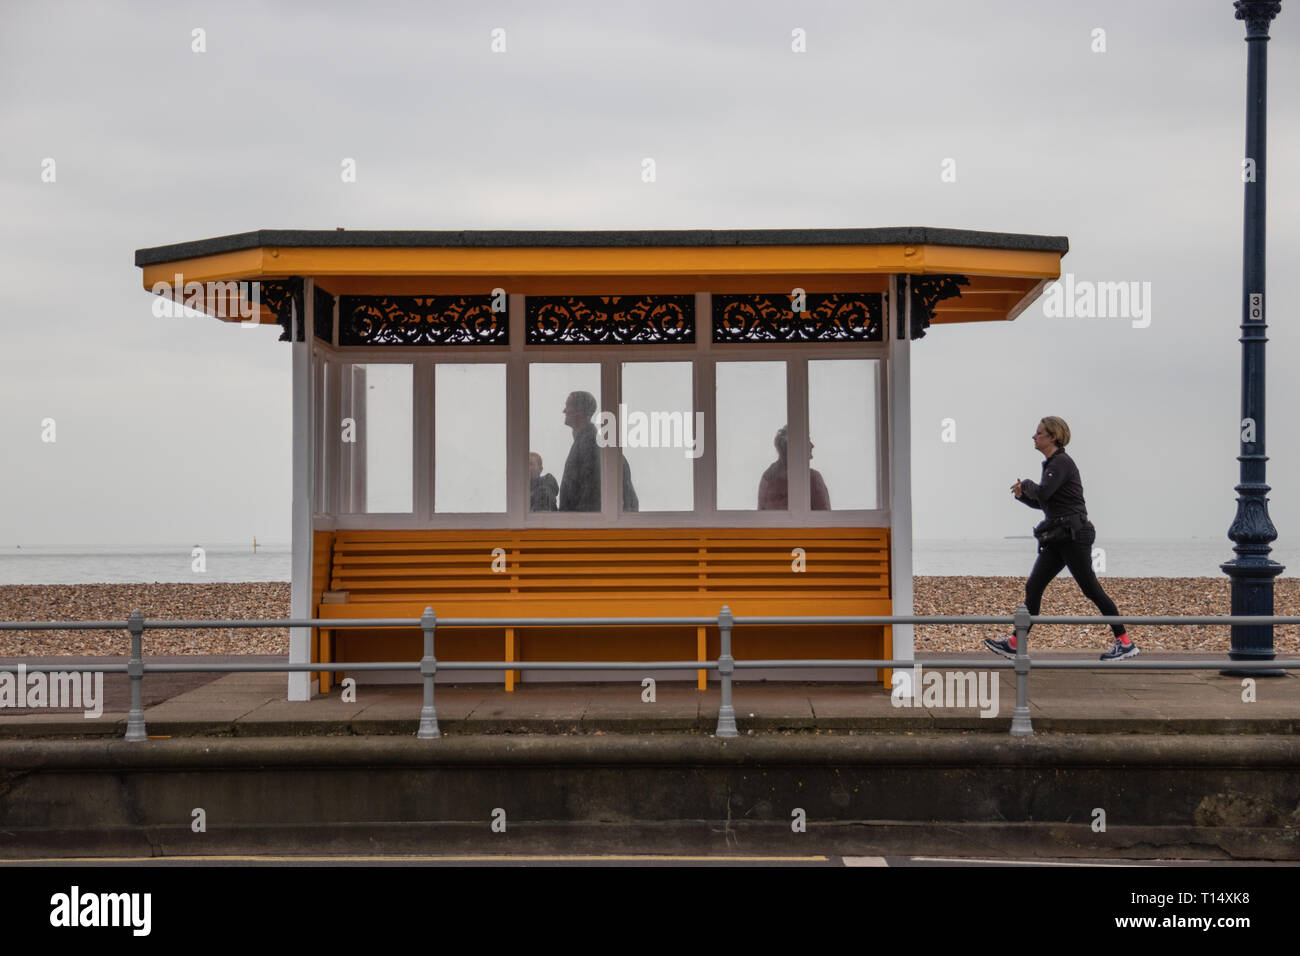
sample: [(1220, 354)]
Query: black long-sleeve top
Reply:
[(1059, 491), (580, 484)]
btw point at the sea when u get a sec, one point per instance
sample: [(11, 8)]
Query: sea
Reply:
[(979, 557)]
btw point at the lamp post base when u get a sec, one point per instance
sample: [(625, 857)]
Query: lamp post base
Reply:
[(1252, 596)]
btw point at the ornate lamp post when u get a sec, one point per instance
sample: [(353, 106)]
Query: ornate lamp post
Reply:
[(1252, 571)]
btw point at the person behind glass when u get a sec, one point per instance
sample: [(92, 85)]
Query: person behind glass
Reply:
[(580, 485), (542, 489), (1065, 536), (774, 486)]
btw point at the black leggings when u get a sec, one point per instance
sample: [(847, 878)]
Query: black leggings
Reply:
[(1077, 556)]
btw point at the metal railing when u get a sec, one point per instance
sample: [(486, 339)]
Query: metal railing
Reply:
[(726, 665)]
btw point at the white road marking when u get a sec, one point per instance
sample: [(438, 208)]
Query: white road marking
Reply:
[(994, 859)]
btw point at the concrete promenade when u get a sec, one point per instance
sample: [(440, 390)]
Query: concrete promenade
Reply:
[(1104, 700), (1177, 764)]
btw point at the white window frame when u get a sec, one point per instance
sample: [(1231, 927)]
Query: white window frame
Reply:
[(342, 483)]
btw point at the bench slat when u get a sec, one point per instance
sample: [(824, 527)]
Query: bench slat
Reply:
[(604, 568)]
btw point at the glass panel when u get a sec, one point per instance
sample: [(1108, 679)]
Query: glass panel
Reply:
[(657, 431), (563, 456), (842, 410), (469, 438), (384, 425), (751, 411)]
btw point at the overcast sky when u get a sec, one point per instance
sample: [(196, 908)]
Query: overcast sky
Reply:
[(177, 430)]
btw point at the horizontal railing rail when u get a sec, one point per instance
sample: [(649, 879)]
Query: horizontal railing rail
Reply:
[(136, 666)]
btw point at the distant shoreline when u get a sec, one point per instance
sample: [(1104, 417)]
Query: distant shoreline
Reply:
[(1006, 556)]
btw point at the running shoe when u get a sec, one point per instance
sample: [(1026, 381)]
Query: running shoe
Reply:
[(1002, 647), (1121, 651)]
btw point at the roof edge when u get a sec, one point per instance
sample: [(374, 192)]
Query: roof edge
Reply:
[(380, 238)]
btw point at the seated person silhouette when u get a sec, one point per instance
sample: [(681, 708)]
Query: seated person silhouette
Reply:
[(580, 485), (542, 489), (774, 489)]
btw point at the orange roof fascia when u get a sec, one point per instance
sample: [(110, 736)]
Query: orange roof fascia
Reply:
[(267, 262), (244, 264), (972, 261)]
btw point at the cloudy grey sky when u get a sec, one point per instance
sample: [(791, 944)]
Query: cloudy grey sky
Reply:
[(178, 430)]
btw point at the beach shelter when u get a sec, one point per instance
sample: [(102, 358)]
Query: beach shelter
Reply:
[(541, 425)]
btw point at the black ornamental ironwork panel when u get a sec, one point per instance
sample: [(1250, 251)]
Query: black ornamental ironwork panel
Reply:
[(824, 317), (610, 320), (280, 296), (422, 320), (927, 292)]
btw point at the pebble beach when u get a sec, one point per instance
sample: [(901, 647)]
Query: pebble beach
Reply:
[(933, 595)]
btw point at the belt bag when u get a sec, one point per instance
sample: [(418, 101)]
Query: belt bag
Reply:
[(1060, 529)]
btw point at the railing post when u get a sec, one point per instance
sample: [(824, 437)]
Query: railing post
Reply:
[(1021, 726), (726, 666), (135, 670), (428, 670)]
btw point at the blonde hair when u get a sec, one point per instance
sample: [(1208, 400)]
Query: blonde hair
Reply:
[(1057, 429)]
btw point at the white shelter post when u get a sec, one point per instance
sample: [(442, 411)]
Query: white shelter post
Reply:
[(900, 468), (303, 456)]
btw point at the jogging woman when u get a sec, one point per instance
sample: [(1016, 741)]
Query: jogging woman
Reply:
[(1065, 536)]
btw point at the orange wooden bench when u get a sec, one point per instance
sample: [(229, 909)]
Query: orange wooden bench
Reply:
[(607, 572)]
